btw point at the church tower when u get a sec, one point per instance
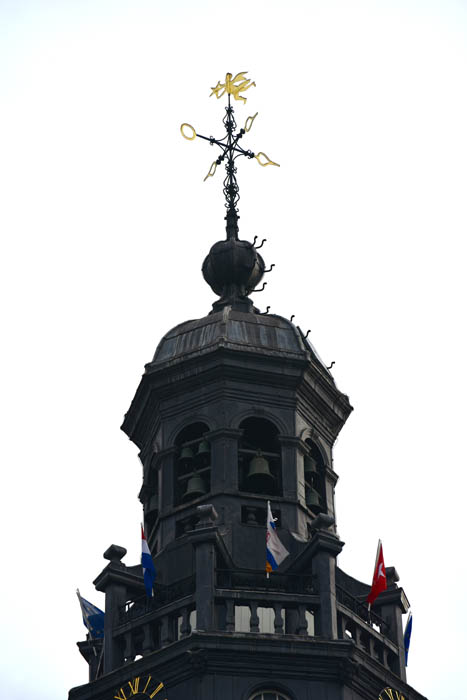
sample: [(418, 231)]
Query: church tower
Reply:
[(236, 410)]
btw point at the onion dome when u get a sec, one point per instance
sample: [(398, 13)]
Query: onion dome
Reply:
[(233, 269)]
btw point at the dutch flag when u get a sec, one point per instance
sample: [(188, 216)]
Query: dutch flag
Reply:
[(149, 571)]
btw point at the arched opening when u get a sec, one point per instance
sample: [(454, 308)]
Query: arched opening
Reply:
[(259, 458), (268, 694), (314, 474), (192, 464)]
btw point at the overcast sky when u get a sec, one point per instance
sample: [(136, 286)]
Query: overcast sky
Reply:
[(105, 222)]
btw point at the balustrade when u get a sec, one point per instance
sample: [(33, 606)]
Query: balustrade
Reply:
[(368, 633), (271, 613), (247, 601), (257, 580), (360, 609), (146, 627)]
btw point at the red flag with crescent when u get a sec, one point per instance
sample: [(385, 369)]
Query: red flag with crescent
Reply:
[(379, 577)]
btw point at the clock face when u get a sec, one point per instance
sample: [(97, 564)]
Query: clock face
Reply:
[(390, 694), (142, 688)]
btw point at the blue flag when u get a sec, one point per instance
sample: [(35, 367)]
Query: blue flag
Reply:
[(93, 617), (149, 570), (407, 635)]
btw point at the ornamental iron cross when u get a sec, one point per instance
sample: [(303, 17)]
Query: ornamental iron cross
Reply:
[(229, 144)]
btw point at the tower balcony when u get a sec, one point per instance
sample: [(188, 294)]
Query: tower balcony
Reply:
[(299, 609), (245, 602)]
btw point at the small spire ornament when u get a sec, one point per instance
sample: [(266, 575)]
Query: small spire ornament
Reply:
[(229, 145)]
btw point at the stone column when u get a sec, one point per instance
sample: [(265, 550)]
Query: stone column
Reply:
[(291, 479), (205, 564), (330, 481), (91, 652), (224, 459), (167, 479), (324, 548), (391, 604), (115, 581)]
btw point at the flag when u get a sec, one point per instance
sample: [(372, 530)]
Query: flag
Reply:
[(275, 550), (407, 635), (93, 617), (379, 577), (149, 571)]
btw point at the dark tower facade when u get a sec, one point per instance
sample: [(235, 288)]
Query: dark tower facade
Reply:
[(236, 409)]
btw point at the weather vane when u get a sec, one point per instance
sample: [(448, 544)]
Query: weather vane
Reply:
[(229, 144)]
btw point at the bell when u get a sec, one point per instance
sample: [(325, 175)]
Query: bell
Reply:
[(259, 470), (309, 466), (195, 488), (204, 449), (186, 455), (312, 498)]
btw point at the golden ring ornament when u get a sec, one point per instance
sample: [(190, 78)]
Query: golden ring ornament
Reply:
[(193, 132), (267, 161), (233, 85), (249, 122), (140, 687)]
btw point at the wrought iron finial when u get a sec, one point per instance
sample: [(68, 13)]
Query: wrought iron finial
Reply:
[(229, 145)]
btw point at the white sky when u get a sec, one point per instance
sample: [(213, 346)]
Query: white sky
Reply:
[(105, 222)]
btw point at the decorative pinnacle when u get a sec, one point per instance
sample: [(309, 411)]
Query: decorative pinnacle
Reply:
[(229, 145)]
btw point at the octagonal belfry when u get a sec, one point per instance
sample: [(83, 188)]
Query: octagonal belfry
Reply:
[(236, 410)]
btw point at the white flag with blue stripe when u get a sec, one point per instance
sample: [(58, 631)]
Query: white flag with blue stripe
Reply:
[(275, 550)]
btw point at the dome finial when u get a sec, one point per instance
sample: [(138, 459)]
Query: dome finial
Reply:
[(233, 268)]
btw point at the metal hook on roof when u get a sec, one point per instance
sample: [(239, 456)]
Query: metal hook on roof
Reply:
[(258, 290), (265, 312), (261, 244), (307, 333), (270, 268), (331, 365), (292, 318), (255, 239)]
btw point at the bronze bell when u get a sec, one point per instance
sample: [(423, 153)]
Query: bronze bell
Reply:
[(186, 455), (309, 466), (312, 498), (204, 449), (195, 487), (259, 470)]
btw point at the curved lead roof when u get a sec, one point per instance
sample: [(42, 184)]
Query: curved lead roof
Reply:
[(236, 330)]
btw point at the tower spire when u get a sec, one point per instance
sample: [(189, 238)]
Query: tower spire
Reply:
[(233, 267), (230, 146)]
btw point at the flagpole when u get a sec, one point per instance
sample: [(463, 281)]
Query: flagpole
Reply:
[(267, 511), (101, 656), (378, 548), (146, 597)]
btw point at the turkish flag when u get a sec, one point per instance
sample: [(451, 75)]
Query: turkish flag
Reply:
[(379, 577)]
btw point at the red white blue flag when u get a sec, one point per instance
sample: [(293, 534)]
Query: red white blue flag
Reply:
[(149, 571)]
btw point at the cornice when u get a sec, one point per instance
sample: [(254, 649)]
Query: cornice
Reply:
[(118, 573)]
